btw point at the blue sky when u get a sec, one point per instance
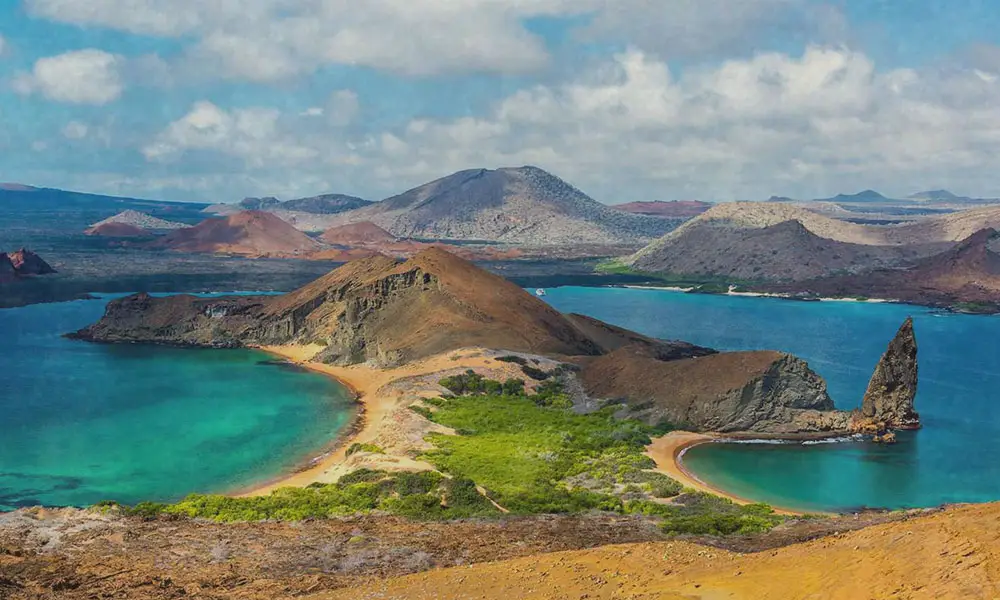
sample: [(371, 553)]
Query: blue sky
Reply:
[(629, 100)]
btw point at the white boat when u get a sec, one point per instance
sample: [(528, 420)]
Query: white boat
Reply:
[(539, 292)]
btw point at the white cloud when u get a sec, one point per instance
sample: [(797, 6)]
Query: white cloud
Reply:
[(251, 134), (79, 77), (823, 122), (811, 125), (75, 130), (268, 40)]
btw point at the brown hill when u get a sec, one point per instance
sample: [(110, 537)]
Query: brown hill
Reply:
[(764, 392), (525, 206), (117, 230), (966, 273), (374, 309), (249, 233), (357, 234), (27, 262), (787, 251), (676, 209)]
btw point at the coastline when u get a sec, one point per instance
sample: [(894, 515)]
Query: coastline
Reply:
[(382, 406), (668, 453), (383, 419)]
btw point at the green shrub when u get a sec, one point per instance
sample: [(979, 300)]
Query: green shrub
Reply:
[(513, 359), (358, 447), (535, 373)]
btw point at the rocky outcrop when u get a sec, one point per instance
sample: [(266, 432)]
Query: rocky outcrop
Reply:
[(26, 262), (763, 392), (893, 386)]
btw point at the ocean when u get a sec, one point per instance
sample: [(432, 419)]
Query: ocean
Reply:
[(83, 422), (952, 459)]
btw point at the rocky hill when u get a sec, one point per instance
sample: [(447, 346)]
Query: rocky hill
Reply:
[(968, 273), (357, 234), (676, 209), (248, 233), (26, 262), (138, 220), (787, 251), (120, 230), (524, 206), (22, 263)]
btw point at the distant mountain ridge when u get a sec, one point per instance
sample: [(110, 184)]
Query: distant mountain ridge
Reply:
[(675, 209), (523, 205), (324, 204)]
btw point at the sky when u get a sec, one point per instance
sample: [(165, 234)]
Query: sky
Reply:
[(628, 100)]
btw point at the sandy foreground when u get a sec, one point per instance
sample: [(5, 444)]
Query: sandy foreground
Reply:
[(947, 555)]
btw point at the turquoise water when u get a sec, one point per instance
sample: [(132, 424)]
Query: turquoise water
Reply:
[(954, 458), (82, 422)]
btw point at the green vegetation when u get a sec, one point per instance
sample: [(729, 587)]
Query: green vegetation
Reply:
[(699, 513), (372, 448), (533, 455), (426, 496)]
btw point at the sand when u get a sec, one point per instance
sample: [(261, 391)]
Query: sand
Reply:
[(668, 453), (949, 554), (385, 420)]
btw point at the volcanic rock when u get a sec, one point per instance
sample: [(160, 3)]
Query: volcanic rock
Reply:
[(763, 392), (27, 262), (893, 386)]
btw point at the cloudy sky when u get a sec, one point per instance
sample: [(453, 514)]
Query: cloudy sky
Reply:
[(627, 99)]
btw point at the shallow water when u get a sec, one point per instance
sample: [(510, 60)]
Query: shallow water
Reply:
[(952, 459), (82, 422)]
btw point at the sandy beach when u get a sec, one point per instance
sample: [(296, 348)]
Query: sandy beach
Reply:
[(385, 420), (668, 452)]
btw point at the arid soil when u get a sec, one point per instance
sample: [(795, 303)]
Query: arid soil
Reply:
[(75, 555), (946, 555)]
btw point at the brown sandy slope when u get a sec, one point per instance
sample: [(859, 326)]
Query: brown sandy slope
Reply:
[(117, 230), (969, 272), (249, 233), (946, 555), (787, 251), (677, 209), (356, 234)]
